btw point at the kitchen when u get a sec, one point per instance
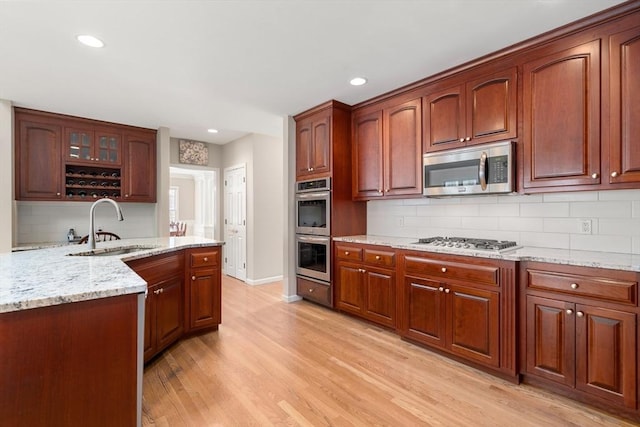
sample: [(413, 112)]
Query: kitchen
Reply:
[(407, 217)]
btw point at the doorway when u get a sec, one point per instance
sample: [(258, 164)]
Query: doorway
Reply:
[(193, 196), (235, 222)]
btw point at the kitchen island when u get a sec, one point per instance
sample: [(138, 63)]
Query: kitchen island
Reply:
[(72, 329)]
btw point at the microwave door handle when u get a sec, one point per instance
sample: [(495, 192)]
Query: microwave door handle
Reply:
[(482, 171)]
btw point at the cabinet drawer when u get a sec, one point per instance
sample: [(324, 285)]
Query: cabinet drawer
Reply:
[(383, 258), (589, 286), (353, 253), (314, 291), (156, 268), (452, 270), (204, 259)]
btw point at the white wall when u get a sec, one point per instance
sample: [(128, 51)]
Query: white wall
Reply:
[(186, 197), (549, 220)]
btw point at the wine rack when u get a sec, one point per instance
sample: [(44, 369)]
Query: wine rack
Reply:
[(88, 182)]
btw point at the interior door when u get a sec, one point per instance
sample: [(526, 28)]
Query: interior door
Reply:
[(235, 222)]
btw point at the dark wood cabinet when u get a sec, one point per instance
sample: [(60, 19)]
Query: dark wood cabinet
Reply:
[(387, 153), (139, 171), (580, 331), (480, 109), (366, 282), (313, 145), (38, 166), (62, 157), (462, 306), (204, 289), (624, 110), (561, 95)]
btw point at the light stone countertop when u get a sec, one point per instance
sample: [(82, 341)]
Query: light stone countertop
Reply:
[(44, 277), (610, 260)]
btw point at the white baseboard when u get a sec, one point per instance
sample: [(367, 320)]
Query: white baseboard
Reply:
[(291, 298), (263, 281)]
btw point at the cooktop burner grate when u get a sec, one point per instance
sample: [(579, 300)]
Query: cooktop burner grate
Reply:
[(469, 243)]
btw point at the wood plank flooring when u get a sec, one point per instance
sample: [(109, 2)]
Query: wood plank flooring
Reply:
[(278, 364)]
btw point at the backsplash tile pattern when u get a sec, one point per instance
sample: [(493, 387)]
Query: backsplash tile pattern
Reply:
[(40, 222), (543, 220)]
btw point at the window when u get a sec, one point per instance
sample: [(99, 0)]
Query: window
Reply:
[(174, 200)]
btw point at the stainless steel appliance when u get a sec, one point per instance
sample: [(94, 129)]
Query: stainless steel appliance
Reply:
[(471, 244), (313, 257), (313, 207), (482, 169)]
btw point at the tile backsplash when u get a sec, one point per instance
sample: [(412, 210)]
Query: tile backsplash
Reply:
[(606, 221), (40, 222)]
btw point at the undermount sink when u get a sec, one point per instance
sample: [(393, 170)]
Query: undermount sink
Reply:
[(121, 250)]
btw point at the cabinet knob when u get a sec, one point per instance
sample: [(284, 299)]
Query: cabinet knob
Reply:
[(386, 190), (310, 169), (444, 269), (461, 139), (446, 291), (206, 259), (346, 252), (441, 289), (193, 278), (580, 314), (574, 286), (468, 138), (57, 194), (594, 175), (378, 257), (614, 174), (362, 270), (126, 195), (310, 290), (569, 311)]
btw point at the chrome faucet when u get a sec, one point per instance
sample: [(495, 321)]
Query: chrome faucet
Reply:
[(92, 236)]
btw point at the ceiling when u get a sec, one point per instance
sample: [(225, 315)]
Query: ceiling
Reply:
[(240, 66)]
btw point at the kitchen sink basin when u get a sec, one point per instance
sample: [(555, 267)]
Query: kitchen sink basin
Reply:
[(121, 250)]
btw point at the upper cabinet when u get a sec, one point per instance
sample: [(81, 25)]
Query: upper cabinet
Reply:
[(70, 158), (481, 108), (387, 150), (624, 107), (561, 94)]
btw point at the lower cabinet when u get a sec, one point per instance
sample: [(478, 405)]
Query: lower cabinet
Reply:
[(204, 289), (463, 306), (579, 328), (164, 317), (366, 282)]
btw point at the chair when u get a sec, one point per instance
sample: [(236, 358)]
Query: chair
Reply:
[(101, 236), (178, 229)]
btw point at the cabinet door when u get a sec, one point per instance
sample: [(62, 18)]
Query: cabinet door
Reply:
[(350, 288), (550, 349), (303, 149), (403, 149), (562, 118), (38, 161), (169, 320), (474, 320), (321, 145), (380, 294), (492, 107), (424, 311), (624, 63), (108, 149), (204, 298), (79, 146), (367, 155), (606, 354), (150, 324), (139, 174), (444, 119)]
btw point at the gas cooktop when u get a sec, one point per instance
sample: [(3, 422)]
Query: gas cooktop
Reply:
[(469, 243)]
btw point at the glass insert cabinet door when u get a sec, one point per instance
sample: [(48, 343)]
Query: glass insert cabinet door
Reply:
[(86, 146)]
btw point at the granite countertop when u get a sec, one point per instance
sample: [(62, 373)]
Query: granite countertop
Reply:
[(44, 277), (616, 261)]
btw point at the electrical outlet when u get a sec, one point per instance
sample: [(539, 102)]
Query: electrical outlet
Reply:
[(585, 226)]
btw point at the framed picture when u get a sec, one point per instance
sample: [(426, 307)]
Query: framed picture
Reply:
[(194, 153)]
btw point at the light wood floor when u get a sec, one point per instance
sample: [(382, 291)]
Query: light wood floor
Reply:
[(273, 363)]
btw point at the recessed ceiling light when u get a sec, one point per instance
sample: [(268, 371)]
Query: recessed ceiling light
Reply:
[(358, 81), (91, 41), (212, 130)]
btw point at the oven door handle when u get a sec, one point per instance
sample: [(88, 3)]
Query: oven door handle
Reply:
[(314, 239), (312, 195), (482, 168)]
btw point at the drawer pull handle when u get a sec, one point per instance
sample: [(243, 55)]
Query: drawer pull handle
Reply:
[(378, 257), (206, 259), (193, 278), (441, 289), (346, 253), (574, 286), (444, 269), (569, 311), (310, 290), (446, 291), (580, 314), (361, 270)]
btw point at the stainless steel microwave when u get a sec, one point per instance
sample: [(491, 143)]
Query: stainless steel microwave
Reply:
[(481, 169)]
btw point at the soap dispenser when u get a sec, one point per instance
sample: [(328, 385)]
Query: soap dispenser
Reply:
[(71, 235)]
